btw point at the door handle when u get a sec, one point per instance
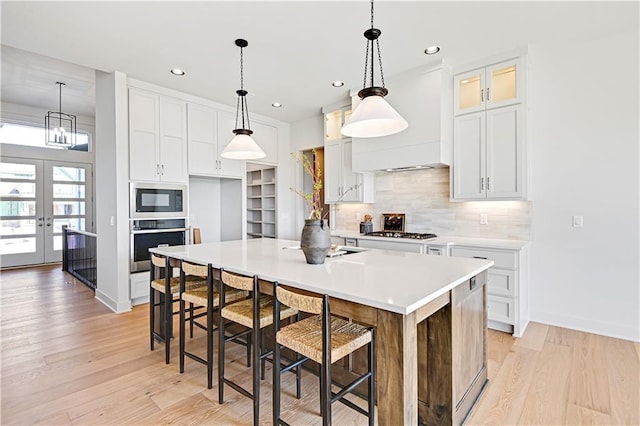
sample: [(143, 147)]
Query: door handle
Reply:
[(162, 168)]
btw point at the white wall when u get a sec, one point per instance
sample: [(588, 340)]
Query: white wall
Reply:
[(584, 146), (204, 207), (112, 190)]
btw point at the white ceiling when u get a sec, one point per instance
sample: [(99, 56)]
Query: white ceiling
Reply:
[(296, 49)]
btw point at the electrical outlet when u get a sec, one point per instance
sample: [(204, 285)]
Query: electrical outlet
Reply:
[(577, 221), (483, 219)]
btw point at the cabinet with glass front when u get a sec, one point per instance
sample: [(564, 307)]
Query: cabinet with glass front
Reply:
[(493, 86)]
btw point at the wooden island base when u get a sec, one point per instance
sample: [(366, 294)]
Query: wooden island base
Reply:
[(450, 363)]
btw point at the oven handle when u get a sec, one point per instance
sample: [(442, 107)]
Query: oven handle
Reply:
[(157, 231)]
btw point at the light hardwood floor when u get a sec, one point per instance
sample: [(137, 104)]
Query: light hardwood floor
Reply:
[(67, 359)]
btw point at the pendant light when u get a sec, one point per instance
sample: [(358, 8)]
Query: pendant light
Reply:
[(60, 128), (242, 146), (374, 116)]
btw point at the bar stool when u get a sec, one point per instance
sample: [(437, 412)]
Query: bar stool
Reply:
[(255, 314), (206, 297), (324, 339), (165, 288)]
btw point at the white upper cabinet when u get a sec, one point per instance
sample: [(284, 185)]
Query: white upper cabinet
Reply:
[(209, 132), (266, 137), (489, 150), (157, 137), (203, 140), (334, 118), (341, 183), (424, 98), (225, 166), (489, 87), (488, 154)]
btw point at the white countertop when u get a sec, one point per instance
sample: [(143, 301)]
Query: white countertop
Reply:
[(395, 281), (441, 240)]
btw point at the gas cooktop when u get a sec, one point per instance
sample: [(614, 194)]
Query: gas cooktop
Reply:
[(396, 234)]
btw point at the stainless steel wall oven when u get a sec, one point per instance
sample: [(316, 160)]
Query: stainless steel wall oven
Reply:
[(147, 233)]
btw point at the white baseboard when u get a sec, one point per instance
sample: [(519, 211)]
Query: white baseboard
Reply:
[(117, 307), (618, 331)]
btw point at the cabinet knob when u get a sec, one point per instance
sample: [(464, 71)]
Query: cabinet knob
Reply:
[(481, 95), (488, 183), (488, 94), (481, 184)]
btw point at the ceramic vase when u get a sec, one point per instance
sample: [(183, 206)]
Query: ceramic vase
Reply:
[(315, 241)]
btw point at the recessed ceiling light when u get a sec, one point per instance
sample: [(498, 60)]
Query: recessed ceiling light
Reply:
[(432, 50), (337, 83), (276, 105), (177, 71)]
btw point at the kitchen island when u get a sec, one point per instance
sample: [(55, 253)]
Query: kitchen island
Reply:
[(429, 313)]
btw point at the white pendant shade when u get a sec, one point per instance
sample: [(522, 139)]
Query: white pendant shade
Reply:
[(243, 147), (372, 118)]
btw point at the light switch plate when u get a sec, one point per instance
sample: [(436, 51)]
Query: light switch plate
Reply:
[(577, 221), (483, 219)]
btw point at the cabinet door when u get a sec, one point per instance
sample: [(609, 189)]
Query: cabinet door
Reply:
[(226, 125), (505, 153), (333, 121), (504, 83), (469, 325), (266, 137), (203, 143), (332, 171), (351, 182), (173, 140), (144, 155), (469, 156), (469, 91)]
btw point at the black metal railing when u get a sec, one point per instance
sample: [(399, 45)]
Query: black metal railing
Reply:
[(79, 255)]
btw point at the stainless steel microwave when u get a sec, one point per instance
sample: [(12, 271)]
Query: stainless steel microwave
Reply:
[(157, 200)]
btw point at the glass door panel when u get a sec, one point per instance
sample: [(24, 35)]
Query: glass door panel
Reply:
[(37, 198), (469, 91), (503, 84), (21, 212), (68, 201)]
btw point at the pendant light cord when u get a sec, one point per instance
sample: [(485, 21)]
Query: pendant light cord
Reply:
[(366, 56), (241, 105)]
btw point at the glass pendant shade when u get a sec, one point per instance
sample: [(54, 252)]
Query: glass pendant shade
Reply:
[(242, 147), (374, 117)]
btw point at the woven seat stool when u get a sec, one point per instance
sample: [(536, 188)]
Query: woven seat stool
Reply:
[(207, 297), (324, 339), (166, 289), (254, 314)]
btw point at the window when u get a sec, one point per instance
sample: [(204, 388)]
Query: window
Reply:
[(32, 135)]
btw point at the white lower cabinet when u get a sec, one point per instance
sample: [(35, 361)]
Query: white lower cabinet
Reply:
[(391, 245), (139, 287), (507, 286)]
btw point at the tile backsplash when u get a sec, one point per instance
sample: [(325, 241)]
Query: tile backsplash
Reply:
[(423, 195)]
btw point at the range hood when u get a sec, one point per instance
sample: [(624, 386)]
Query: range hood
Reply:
[(424, 97)]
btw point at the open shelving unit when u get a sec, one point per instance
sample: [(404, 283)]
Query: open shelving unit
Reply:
[(261, 201)]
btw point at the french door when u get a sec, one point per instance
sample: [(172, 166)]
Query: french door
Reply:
[(38, 197)]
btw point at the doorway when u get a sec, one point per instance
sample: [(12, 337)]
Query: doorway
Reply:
[(37, 198)]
